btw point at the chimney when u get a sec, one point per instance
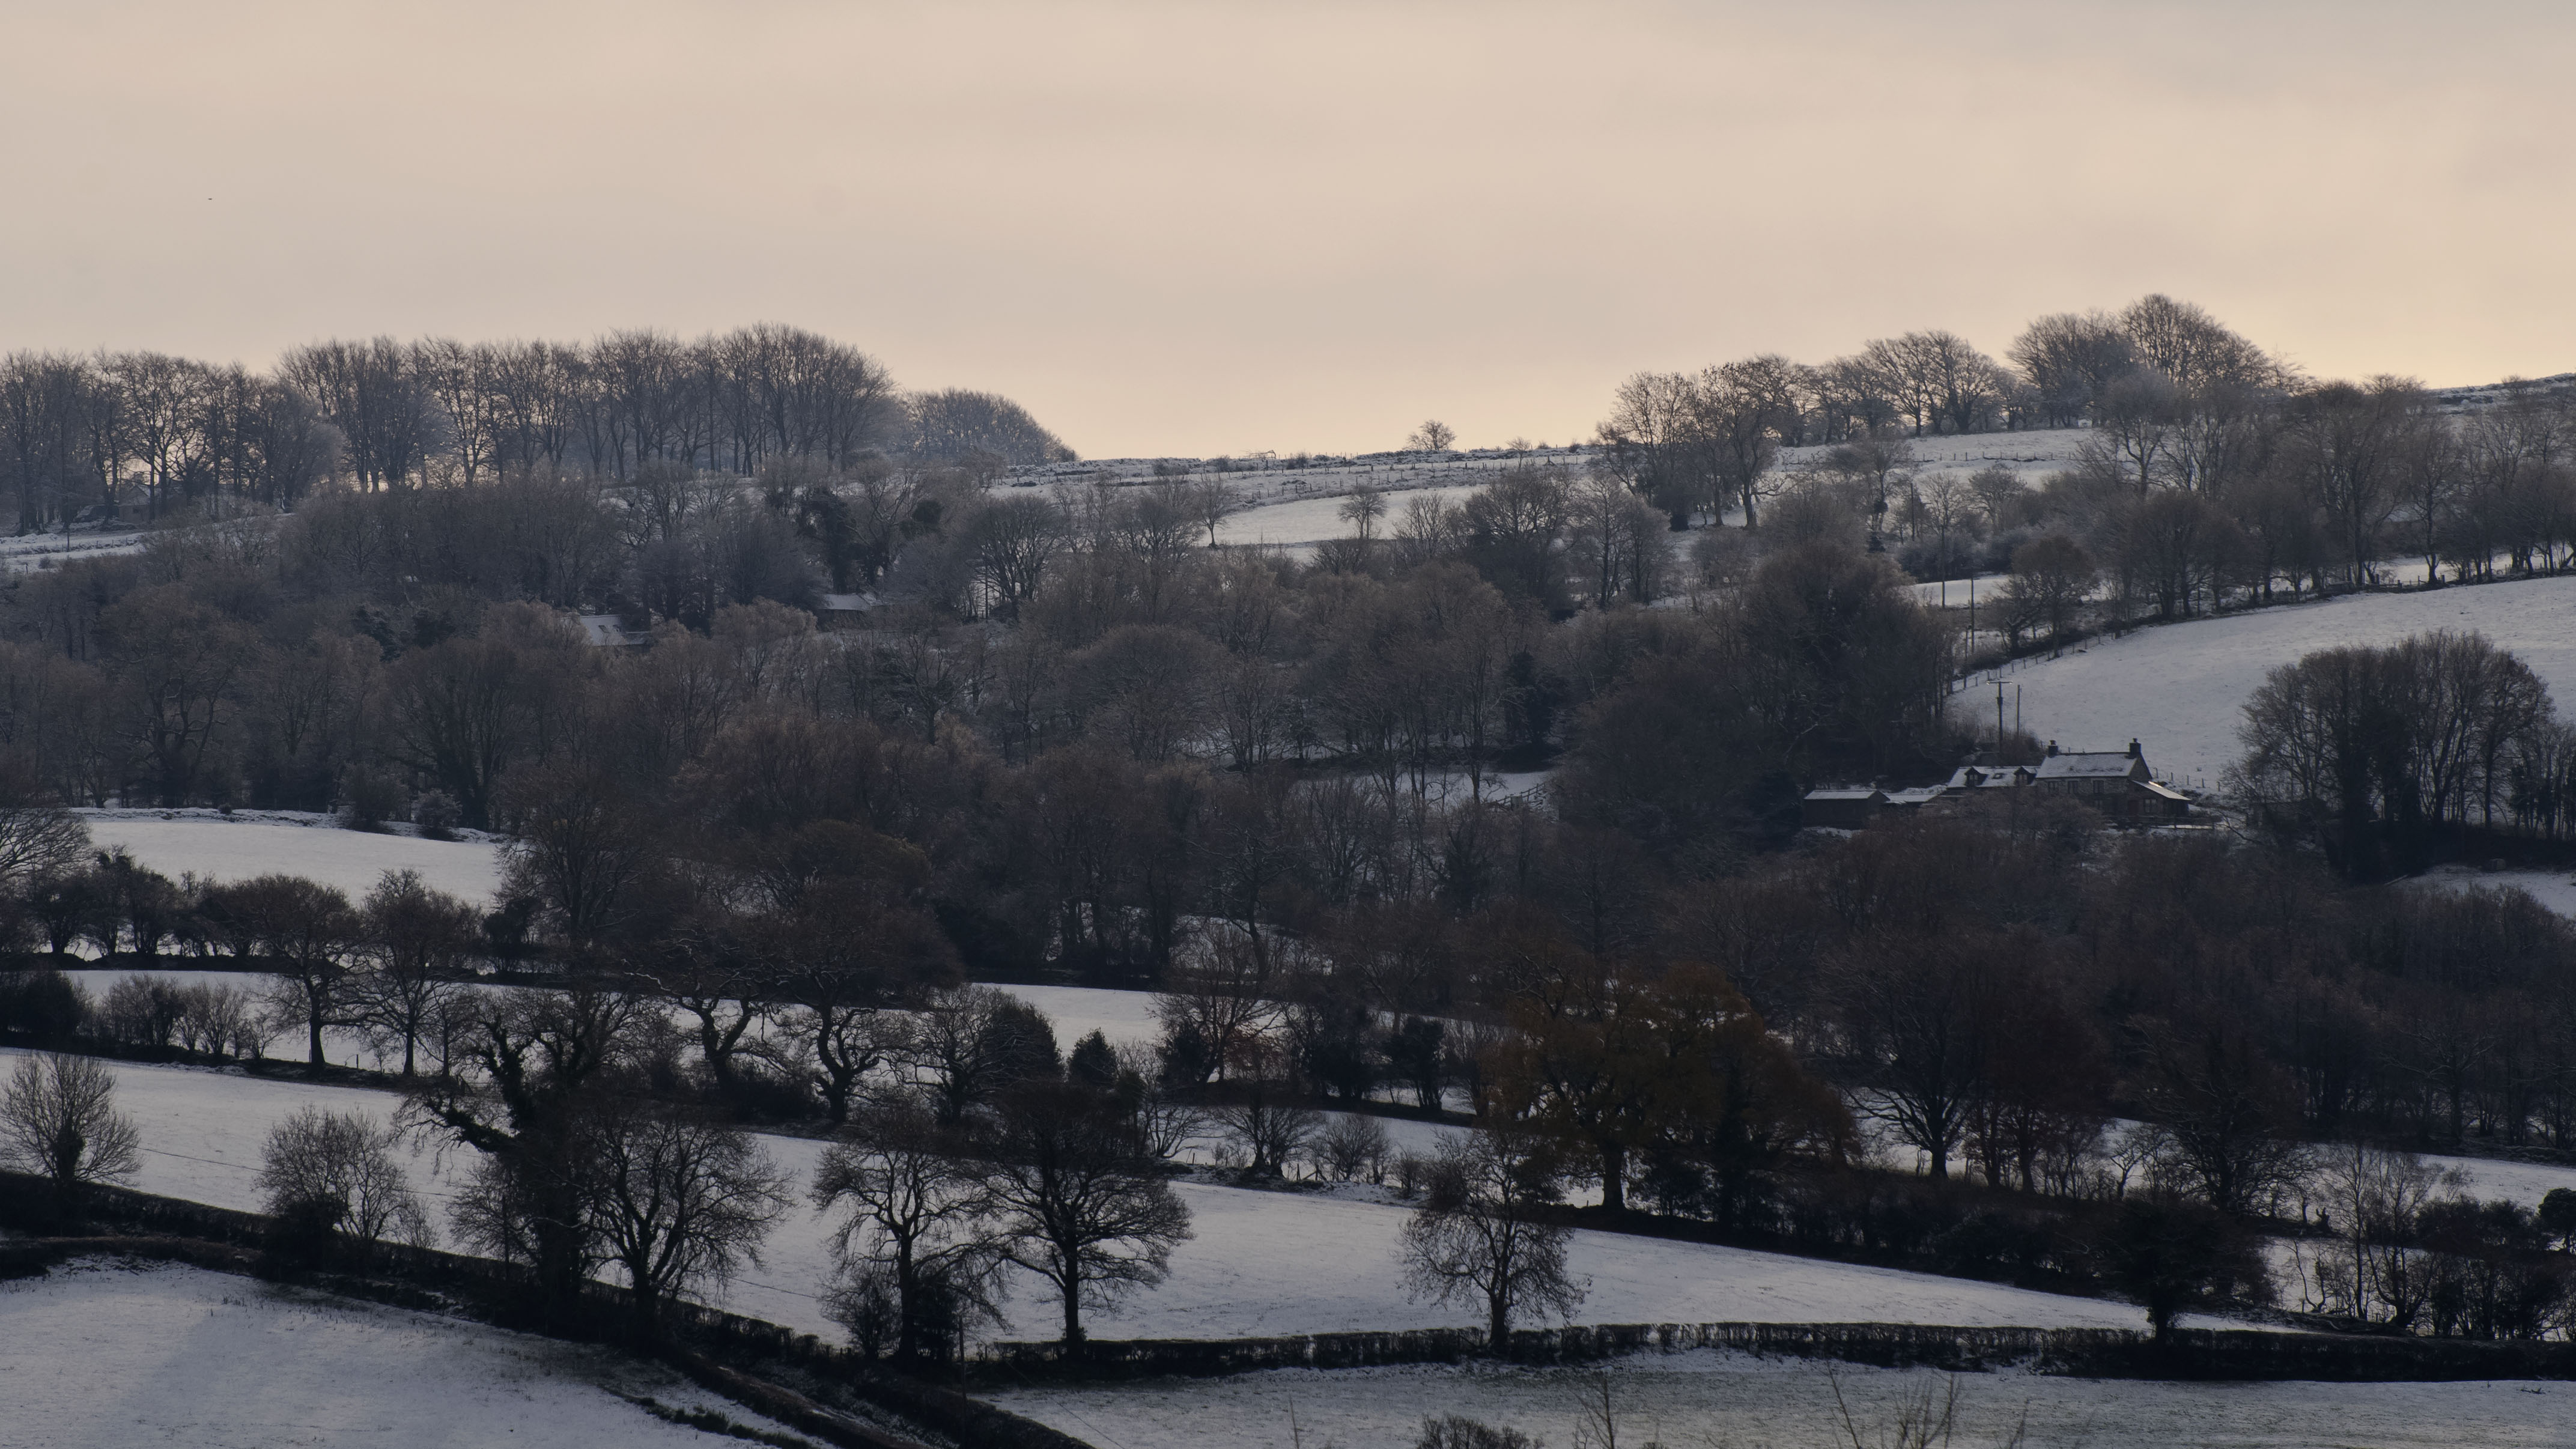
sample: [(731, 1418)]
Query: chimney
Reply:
[(2052, 749), (2136, 753)]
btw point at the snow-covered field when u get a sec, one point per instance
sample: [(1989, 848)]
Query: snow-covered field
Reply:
[(107, 1356), (1261, 1262), (2555, 889), (1298, 524), (1706, 1398), (2030, 456), (2178, 688), (248, 843), (27, 553)]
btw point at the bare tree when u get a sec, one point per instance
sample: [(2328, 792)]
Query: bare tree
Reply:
[(974, 1042), (1362, 510), (1479, 1233), (917, 1210), (1079, 1203), (2068, 359), (539, 1067), (679, 1201), (336, 1172), (1212, 503), (1221, 1007), (417, 941), (1434, 436), (304, 935), (1269, 1125), (58, 1119), (37, 839)]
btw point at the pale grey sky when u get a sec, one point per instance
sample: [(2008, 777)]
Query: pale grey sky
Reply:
[(1199, 228)]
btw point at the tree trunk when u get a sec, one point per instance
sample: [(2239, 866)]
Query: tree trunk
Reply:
[(1498, 1325), (1614, 1177), (313, 1043)]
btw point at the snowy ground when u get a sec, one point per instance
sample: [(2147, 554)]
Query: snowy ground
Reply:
[(1715, 1399), (2555, 889), (2032, 456), (1300, 523), (248, 843), (107, 1356), (2179, 688), (1259, 1263), (28, 553)]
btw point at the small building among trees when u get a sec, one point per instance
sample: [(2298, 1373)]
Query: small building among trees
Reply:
[(2115, 782), (1839, 808)]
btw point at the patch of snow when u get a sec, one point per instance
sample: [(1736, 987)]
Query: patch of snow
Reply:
[(96, 1355), (248, 843), (2554, 889)]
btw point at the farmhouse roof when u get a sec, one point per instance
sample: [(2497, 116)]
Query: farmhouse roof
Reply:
[(2094, 764)]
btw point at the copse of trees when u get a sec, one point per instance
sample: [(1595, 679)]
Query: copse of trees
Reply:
[(2368, 753), (160, 434)]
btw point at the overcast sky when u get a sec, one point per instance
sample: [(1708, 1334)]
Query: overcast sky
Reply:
[(1204, 228)]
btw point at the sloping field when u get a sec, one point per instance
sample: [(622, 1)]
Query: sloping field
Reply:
[(97, 1357), (228, 848), (1260, 1263), (2178, 688)]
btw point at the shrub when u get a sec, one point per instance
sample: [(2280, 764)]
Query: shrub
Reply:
[(437, 814), (1457, 1431), (1353, 1147), (862, 1299), (142, 1011), (44, 1004), (368, 798), (332, 1172)]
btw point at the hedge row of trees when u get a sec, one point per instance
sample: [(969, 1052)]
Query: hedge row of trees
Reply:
[(159, 433)]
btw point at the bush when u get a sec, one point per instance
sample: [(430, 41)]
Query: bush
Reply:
[(1411, 1172), (1457, 1431), (437, 814), (142, 1011), (862, 1299), (44, 1004), (1353, 1147), (331, 1172), (368, 798), (221, 1019)]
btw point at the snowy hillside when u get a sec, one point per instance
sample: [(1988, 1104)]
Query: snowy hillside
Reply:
[(247, 843), (2178, 688), (102, 1357), (1261, 1262)]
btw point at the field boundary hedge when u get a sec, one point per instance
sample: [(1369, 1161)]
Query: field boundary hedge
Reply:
[(2197, 1354)]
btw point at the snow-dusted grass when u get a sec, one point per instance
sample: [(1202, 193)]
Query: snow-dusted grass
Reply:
[(1260, 1263), (1301, 523), (247, 843), (2180, 688), (32, 552), (2554, 889), (1126, 1018), (1720, 1399), (107, 1356)]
